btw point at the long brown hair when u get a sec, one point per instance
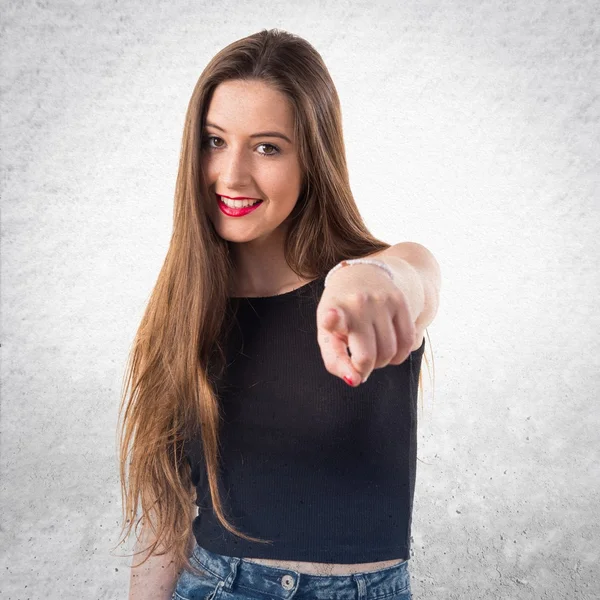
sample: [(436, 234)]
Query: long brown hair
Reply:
[(169, 384)]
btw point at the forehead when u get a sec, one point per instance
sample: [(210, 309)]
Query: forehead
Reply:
[(247, 106)]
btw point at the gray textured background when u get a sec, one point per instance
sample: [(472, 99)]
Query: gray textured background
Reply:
[(471, 127)]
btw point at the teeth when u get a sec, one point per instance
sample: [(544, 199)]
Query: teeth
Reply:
[(238, 203)]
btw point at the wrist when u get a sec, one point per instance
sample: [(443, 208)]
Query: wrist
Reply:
[(358, 261)]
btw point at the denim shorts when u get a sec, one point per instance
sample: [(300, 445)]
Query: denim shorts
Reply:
[(232, 578)]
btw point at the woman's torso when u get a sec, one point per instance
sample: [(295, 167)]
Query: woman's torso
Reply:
[(326, 569)]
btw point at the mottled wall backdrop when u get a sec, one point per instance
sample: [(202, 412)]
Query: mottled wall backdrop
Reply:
[(471, 127)]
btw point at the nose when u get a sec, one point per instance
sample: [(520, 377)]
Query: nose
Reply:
[(234, 170)]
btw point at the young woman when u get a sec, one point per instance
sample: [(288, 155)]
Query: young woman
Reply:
[(264, 463)]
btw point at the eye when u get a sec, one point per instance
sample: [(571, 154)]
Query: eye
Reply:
[(273, 150), (207, 140)]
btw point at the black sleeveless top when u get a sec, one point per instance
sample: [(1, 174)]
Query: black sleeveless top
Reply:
[(323, 470)]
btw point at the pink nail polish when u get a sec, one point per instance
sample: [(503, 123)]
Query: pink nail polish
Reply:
[(348, 380)]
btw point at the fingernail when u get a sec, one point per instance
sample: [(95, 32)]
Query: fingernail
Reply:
[(348, 380), (365, 379)]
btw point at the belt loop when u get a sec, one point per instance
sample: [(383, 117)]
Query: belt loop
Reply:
[(362, 586), (228, 581)]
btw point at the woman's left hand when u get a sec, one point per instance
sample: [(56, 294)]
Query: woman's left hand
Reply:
[(364, 310)]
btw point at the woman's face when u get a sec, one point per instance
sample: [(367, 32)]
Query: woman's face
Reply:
[(244, 155)]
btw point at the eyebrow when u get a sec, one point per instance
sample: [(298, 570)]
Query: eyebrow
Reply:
[(255, 135)]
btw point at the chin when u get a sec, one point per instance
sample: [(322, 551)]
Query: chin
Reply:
[(238, 237)]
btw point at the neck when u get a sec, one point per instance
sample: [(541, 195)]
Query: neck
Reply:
[(260, 269)]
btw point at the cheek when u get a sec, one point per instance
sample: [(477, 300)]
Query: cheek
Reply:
[(284, 184), (208, 167)]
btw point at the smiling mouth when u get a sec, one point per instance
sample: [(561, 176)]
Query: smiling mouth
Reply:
[(237, 197), (238, 203)]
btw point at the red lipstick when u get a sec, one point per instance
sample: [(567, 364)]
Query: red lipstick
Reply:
[(236, 212)]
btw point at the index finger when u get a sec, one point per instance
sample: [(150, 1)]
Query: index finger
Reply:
[(332, 337)]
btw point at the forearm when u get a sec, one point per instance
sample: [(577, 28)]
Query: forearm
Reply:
[(417, 273), (156, 579)]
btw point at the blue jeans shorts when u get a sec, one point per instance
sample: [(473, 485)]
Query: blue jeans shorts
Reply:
[(232, 578)]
